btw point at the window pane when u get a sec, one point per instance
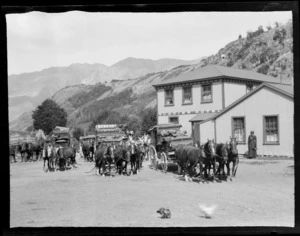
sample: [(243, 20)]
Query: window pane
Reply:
[(239, 129), (174, 120), (271, 129), (187, 95), (169, 97), (206, 93)]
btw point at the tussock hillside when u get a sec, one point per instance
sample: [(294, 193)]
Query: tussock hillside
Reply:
[(268, 52)]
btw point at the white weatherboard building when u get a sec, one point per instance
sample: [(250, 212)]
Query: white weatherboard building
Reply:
[(218, 102)]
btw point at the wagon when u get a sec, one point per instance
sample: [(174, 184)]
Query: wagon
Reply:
[(160, 150), (89, 138), (61, 137), (109, 133)]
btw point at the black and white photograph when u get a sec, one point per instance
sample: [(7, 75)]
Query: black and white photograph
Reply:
[(151, 119)]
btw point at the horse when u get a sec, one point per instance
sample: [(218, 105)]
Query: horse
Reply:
[(181, 161), (104, 155), (122, 157), (135, 157), (91, 152), (86, 148), (25, 151), (66, 157), (209, 149), (145, 144), (188, 157), (233, 157), (12, 152), (37, 149), (221, 158)]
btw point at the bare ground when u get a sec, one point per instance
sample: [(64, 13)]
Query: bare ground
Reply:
[(261, 195)]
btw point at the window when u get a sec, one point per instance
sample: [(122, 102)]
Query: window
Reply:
[(187, 95), (238, 129), (174, 120), (169, 97), (206, 93), (249, 87), (271, 132)]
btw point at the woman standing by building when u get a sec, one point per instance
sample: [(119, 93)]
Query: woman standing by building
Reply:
[(252, 145)]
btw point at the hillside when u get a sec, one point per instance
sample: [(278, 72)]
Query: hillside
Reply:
[(268, 52), (27, 90)]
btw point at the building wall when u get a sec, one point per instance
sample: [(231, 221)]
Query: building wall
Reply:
[(182, 119), (207, 131), (233, 92), (262, 103), (195, 107)]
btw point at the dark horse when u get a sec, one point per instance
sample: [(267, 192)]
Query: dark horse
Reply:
[(188, 157), (221, 158), (104, 155), (12, 152), (37, 149), (122, 157), (87, 150), (25, 151), (66, 157), (210, 157), (233, 156)]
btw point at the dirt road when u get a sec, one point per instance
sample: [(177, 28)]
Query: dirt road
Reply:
[(261, 195)]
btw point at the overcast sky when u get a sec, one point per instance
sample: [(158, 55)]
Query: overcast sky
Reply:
[(39, 40)]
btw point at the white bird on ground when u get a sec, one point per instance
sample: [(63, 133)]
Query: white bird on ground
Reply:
[(207, 210)]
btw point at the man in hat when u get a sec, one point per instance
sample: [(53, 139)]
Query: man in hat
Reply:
[(252, 145)]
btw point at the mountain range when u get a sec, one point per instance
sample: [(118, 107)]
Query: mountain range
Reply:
[(84, 90), (28, 90)]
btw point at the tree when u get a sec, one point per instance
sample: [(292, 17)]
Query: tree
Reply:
[(77, 133), (48, 115)]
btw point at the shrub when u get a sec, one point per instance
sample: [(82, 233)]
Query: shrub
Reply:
[(263, 69)]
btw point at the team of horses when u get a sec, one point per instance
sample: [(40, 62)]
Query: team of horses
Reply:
[(118, 155), (206, 156), (54, 157), (27, 150)]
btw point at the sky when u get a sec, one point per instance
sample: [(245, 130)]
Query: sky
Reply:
[(38, 40)]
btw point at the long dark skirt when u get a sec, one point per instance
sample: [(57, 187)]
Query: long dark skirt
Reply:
[(252, 153)]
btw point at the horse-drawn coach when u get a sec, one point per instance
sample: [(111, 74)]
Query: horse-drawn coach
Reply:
[(64, 153), (163, 137), (108, 136)]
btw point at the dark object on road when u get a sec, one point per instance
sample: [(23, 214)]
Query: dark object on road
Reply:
[(165, 213)]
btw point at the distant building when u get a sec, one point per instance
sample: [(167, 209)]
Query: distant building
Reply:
[(194, 97)]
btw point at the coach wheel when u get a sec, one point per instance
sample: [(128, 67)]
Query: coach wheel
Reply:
[(164, 161), (153, 156)]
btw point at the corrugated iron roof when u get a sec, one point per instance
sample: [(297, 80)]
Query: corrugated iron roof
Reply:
[(60, 129), (284, 89), (203, 116), (165, 126), (214, 71)]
